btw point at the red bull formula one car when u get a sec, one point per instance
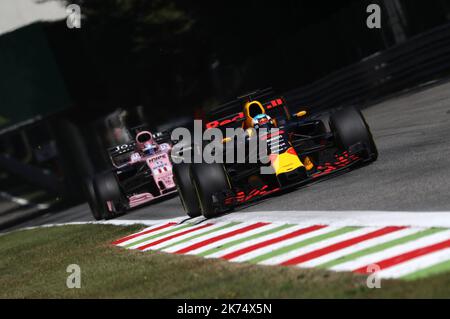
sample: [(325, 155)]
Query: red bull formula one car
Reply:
[(142, 172), (304, 148)]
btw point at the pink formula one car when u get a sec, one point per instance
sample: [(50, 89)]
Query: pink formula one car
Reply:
[(142, 172)]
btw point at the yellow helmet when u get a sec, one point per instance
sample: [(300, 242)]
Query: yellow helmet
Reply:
[(251, 109)]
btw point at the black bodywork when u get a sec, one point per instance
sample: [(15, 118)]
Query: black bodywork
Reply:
[(310, 135)]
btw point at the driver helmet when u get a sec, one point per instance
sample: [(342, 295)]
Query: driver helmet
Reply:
[(145, 143), (262, 121), (149, 149)]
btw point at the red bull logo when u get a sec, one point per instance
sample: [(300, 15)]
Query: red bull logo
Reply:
[(240, 116)]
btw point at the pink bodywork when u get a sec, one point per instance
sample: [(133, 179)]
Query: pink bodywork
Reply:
[(161, 167)]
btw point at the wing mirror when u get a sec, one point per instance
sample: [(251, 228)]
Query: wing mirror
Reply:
[(300, 114)]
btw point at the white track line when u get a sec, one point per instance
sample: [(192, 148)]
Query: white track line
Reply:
[(331, 218), (348, 218), (175, 248), (256, 240), (415, 264), (324, 243), (232, 238), (157, 232), (272, 247), (360, 246), (392, 252), (193, 233), (142, 233)]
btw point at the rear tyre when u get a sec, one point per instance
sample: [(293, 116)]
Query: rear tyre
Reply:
[(349, 128), (209, 179), (92, 200), (186, 190)]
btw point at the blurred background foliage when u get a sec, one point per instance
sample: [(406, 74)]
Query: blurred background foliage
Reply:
[(183, 55)]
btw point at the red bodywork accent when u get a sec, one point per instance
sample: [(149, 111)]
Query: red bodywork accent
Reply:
[(242, 196), (291, 150), (274, 103), (214, 124), (342, 160), (239, 116)]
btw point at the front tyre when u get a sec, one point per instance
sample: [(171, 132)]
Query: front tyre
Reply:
[(92, 200), (349, 128), (107, 189), (186, 190), (208, 180)]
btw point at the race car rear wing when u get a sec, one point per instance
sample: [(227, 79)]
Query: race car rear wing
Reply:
[(120, 154), (230, 114), (159, 137), (235, 106)]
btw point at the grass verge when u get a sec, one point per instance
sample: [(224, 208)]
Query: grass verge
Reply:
[(33, 265)]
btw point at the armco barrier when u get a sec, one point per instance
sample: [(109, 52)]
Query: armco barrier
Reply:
[(420, 59)]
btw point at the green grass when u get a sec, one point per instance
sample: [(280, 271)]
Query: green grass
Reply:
[(33, 265)]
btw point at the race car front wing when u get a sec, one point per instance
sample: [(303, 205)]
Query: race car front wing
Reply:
[(341, 162)]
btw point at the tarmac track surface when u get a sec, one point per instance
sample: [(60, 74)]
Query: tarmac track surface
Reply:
[(412, 174)]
